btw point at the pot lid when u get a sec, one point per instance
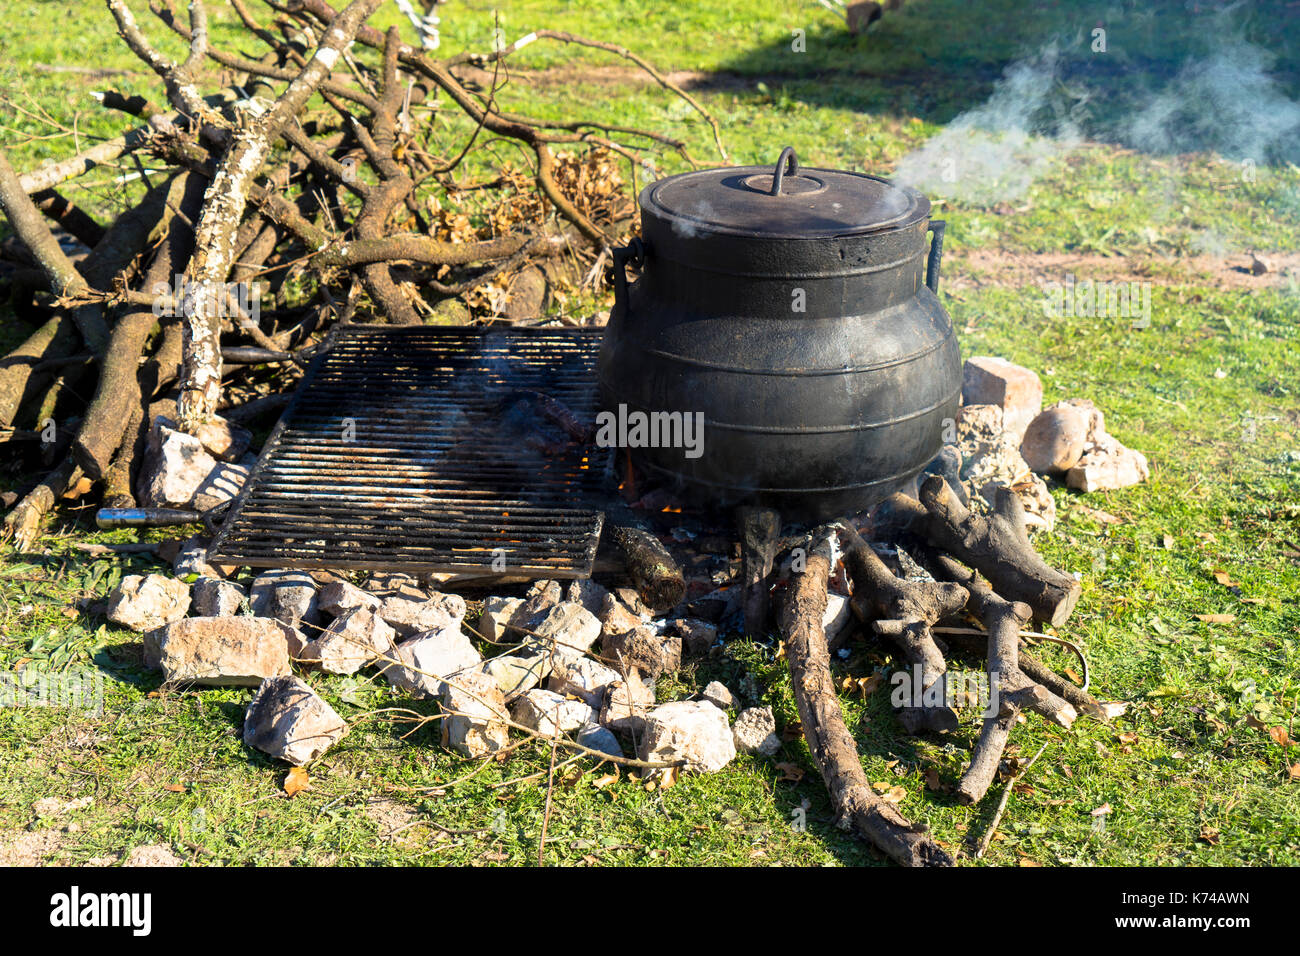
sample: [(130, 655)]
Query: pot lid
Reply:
[(784, 201)]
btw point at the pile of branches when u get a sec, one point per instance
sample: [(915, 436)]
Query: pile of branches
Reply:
[(354, 210), (981, 569)]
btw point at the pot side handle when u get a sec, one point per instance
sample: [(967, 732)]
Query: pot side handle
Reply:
[(937, 227), (623, 256)]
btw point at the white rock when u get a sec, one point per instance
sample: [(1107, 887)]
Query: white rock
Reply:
[(1108, 464), (716, 693), (581, 677), (222, 651), (694, 731), (475, 716), (515, 675), (213, 597), (498, 614), (650, 653), (336, 597), (565, 630), (143, 603), (547, 713), (429, 659), (413, 614), (596, 737), (287, 720), (354, 639), (192, 559), (175, 465), (626, 703), (755, 732), (588, 593)]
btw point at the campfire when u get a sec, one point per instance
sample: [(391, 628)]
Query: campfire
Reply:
[(773, 435)]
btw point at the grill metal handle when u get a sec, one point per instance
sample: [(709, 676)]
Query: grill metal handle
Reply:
[(787, 163), (937, 227), (623, 256)]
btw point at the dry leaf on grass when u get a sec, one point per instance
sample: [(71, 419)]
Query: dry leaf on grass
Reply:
[(1280, 736), (1216, 618), (1101, 811), (1209, 834), (790, 771), (296, 781), (890, 793), (1224, 578)]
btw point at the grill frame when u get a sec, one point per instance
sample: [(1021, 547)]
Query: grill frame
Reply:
[(440, 385)]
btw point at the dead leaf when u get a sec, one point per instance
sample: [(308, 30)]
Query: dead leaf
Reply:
[(1216, 618), (1280, 736), (175, 787), (1167, 541), (1027, 861), (1128, 738), (1102, 810), (669, 777), (1294, 771), (604, 780), (1255, 723), (1224, 578), (1070, 673), (296, 781), (1209, 834), (790, 771), (890, 794)]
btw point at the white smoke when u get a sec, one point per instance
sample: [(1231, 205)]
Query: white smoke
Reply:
[(1223, 100), (994, 152)]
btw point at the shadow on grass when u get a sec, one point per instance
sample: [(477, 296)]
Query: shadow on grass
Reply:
[(1171, 78)]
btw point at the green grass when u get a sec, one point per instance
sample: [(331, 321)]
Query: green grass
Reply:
[(1208, 392)]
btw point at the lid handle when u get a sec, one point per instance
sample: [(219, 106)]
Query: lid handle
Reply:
[(787, 163)]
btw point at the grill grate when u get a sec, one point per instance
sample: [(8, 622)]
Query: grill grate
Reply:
[(414, 449)]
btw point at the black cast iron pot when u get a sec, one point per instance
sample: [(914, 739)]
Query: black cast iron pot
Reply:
[(795, 309)]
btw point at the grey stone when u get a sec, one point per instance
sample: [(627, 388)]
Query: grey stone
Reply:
[(287, 596), (581, 677), (222, 651), (143, 603), (689, 730), (587, 593), (548, 713), (755, 732), (336, 597), (474, 722), (355, 638), (498, 614), (213, 597), (431, 658), (596, 737), (717, 694), (565, 630), (287, 720), (515, 675), (414, 613)]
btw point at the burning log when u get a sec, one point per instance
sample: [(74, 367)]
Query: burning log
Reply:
[(760, 531), (996, 545), (832, 746), (655, 573)]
